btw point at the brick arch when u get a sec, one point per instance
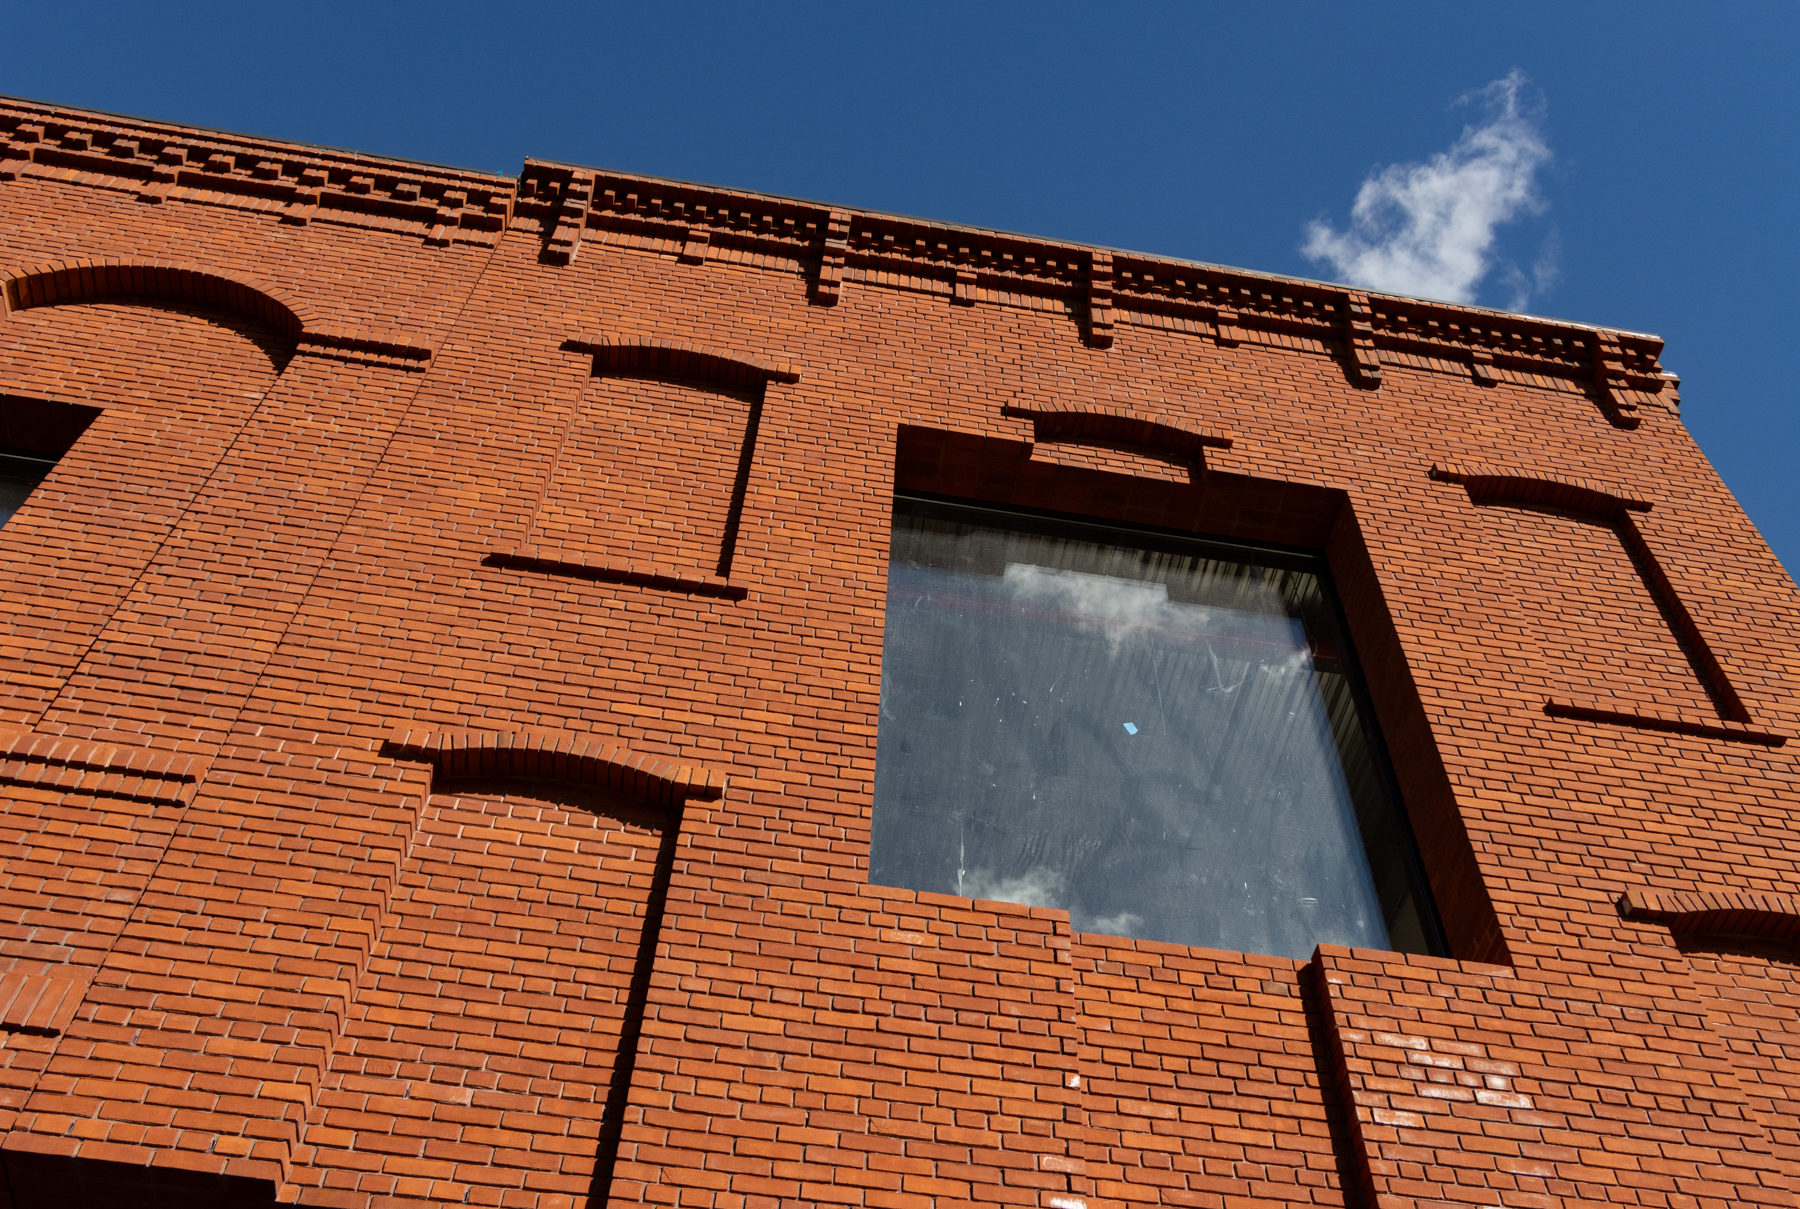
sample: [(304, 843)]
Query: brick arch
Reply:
[(552, 755), (1511, 485), (1118, 428), (68, 281), (680, 359), (1745, 913)]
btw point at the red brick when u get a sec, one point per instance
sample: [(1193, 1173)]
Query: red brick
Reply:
[(438, 694)]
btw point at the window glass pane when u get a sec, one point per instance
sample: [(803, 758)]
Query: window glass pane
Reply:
[(1158, 734)]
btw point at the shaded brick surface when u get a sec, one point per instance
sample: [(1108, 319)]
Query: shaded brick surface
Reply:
[(580, 483)]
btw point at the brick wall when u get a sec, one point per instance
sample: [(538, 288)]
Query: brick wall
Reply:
[(438, 717)]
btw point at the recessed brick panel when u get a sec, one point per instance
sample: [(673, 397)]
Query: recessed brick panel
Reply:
[(645, 475), (174, 387), (1598, 629), (482, 1049)]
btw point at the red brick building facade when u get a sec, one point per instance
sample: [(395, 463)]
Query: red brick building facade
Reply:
[(441, 678)]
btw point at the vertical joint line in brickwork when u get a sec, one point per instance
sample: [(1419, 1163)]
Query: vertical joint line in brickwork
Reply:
[(1100, 300), (556, 456), (404, 409), (449, 217), (1363, 361), (832, 257)]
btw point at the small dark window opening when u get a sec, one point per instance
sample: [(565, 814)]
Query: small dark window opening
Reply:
[(1165, 736), (34, 435)]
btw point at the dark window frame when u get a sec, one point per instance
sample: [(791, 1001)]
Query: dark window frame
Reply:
[(1314, 562)]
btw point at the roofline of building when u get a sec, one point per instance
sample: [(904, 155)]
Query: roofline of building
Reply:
[(255, 139), (971, 263), (1005, 233), (998, 232)]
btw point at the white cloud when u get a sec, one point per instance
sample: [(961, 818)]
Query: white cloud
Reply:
[(1125, 923), (1428, 229), (1043, 887), (1039, 887), (1120, 608)]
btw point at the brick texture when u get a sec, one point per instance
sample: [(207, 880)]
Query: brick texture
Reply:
[(439, 686)]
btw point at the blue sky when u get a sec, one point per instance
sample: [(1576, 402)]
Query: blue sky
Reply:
[(1661, 193)]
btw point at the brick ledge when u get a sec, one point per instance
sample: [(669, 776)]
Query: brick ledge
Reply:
[(1513, 484), (636, 573), (1117, 427), (1586, 710), (37, 761)]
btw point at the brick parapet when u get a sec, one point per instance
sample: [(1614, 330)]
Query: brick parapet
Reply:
[(158, 163), (971, 264)]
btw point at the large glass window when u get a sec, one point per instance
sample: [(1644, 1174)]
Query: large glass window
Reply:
[(1162, 735)]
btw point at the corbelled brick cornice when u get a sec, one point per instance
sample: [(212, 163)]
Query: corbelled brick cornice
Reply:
[(1103, 288), (162, 162)]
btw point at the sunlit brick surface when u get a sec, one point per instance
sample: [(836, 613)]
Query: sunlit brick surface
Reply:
[(645, 471), (363, 474)]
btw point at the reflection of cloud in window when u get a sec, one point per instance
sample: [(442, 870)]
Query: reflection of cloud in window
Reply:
[(1122, 924), (1120, 606), (1043, 887), (1040, 887), (1135, 609), (1138, 737)]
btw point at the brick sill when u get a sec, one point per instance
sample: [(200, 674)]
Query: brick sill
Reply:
[(44, 762), (637, 574), (1587, 710)]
